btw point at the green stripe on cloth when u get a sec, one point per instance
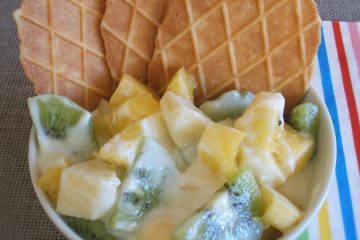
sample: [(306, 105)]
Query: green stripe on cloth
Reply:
[(304, 235)]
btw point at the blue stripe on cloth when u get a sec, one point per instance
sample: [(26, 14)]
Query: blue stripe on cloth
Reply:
[(340, 170)]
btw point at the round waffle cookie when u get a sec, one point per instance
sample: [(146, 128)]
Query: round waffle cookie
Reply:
[(129, 29), (61, 49), (256, 45)]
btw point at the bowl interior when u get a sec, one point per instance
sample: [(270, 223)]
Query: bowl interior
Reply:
[(308, 189)]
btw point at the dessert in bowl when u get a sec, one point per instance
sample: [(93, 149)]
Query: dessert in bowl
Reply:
[(207, 177)]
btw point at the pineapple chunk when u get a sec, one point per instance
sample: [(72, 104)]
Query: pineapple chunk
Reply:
[(129, 87), (133, 110), (280, 213), (154, 127), (184, 121), (87, 190), (293, 151), (102, 118), (263, 120), (121, 150), (49, 182), (218, 148), (262, 164), (103, 128), (182, 84), (262, 123), (102, 109), (50, 179)]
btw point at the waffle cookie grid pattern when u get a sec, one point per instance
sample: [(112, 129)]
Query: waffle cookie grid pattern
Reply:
[(129, 29), (61, 51), (242, 54)]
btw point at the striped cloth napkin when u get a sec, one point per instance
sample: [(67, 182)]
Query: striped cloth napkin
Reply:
[(337, 80)]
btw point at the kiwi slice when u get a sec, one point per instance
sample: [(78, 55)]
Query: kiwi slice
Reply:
[(62, 127), (229, 105), (148, 183), (305, 118), (88, 229)]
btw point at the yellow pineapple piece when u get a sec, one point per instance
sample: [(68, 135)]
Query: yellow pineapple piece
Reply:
[(104, 127), (129, 87), (154, 127), (263, 120), (133, 110), (293, 151), (279, 213), (102, 118), (49, 181), (184, 121), (262, 163), (182, 84), (102, 109), (218, 148), (132, 132), (122, 149), (88, 190)]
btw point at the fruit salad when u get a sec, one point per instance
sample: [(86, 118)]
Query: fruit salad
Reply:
[(144, 167)]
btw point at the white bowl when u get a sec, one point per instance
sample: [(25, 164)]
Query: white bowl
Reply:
[(312, 184)]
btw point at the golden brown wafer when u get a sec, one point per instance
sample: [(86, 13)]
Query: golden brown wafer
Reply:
[(129, 29), (256, 45), (61, 49)]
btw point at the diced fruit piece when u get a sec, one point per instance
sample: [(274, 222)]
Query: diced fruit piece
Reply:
[(121, 150), (231, 104), (229, 214), (104, 128), (180, 160), (50, 179), (189, 153), (103, 122), (263, 165), (263, 120), (184, 121), (87, 190), (280, 213), (133, 110), (146, 186), (88, 229), (218, 148), (102, 109), (155, 128), (262, 123), (63, 128), (306, 118), (129, 87), (245, 193), (182, 84), (293, 150)]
